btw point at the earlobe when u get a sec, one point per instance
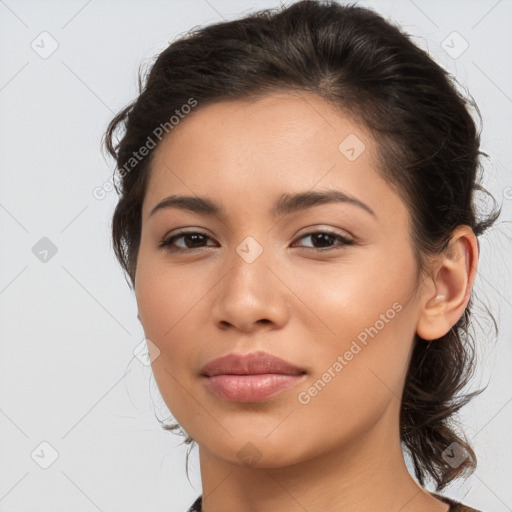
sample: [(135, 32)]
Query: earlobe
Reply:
[(452, 282)]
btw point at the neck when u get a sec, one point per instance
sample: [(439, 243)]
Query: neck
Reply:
[(367, 473)]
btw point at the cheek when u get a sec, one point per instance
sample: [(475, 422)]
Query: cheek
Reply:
[(165, 309), (346, 298), (171, 303), (166, 295), (167, 316), (361, 336), (358, 378)]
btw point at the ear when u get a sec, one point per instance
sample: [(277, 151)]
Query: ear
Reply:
[(447, 291)]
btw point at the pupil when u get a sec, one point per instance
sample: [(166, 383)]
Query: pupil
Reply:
[(325, 236), (195, 238)]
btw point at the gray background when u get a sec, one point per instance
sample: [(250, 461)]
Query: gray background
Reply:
[(68, 326)]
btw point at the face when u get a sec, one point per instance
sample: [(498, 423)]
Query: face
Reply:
[(327, 285)]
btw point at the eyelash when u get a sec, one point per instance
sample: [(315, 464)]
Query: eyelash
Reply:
[(166, 243)]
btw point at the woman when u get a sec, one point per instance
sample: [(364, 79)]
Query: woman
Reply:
[(296, 219)]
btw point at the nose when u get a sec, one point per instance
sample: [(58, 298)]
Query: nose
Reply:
[(250, 295)]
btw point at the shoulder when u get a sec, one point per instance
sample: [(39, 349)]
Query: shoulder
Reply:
[(460, 507), (455, 506), (197, 505)]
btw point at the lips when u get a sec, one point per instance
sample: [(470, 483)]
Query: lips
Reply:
[(250, 377)]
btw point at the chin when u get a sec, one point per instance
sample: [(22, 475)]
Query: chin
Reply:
[(258, 452)]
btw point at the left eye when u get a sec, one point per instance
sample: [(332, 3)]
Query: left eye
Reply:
[(196, 238), (324, 237)]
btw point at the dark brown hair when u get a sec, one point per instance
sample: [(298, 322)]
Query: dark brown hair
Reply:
[(428, 149)]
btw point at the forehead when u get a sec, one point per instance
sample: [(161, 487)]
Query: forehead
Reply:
[(281, 143), (285, 125)]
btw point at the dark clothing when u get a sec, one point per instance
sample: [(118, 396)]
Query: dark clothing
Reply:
[(455, 506)]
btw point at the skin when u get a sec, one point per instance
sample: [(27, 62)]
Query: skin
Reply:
[(341, 451)]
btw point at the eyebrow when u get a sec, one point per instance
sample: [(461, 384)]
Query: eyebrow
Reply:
[(286, 204)]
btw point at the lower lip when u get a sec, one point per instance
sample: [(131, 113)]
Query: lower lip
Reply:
[(251, 388)]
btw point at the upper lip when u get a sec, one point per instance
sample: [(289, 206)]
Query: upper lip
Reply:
[(250, 364)]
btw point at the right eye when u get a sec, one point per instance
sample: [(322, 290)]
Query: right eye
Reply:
[(196, 238)]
